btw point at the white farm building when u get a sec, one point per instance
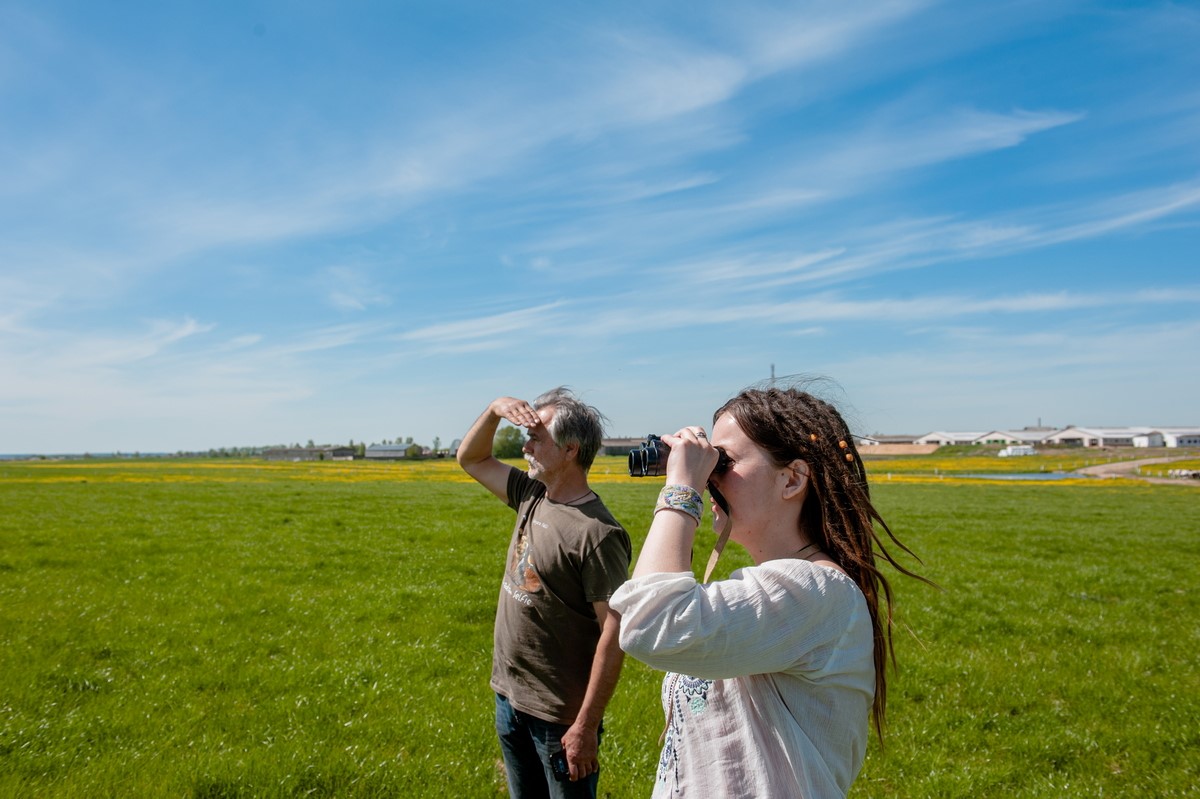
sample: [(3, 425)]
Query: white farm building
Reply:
[(1180, 436), (1072, 436), (945, 439)]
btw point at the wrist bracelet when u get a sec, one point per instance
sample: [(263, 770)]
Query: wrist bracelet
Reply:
[(680, 497)]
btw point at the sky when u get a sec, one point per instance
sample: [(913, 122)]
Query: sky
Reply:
[(238, 224)]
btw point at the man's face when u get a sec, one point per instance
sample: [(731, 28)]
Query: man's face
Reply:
[(545, 458)]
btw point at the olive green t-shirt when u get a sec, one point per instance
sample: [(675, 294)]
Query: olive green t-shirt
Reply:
[(561, 559)]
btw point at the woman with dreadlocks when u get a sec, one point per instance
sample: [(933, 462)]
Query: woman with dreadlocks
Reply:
[(774, 672)]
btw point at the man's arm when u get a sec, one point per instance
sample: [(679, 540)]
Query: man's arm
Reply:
[(582, 741), (475, 451)]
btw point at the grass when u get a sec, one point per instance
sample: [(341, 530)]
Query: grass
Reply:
[(1163, 469), (245, 629), (963, 460), (1059, 658)]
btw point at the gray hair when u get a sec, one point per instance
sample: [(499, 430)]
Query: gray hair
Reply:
[(574, 422)]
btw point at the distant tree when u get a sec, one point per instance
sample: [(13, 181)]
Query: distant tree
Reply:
[(360, 451), (437, 444), (310, 444), (508, 442)]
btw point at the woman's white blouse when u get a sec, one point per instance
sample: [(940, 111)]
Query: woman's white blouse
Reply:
[(770, 678)]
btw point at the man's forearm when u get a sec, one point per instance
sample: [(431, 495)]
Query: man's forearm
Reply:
[(606, 670), (582, 738), (476, 445)]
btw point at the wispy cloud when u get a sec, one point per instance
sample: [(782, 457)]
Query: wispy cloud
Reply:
[(916, 243), (1125, 212), (103, 351), (351, 290), (809, 315), (754, 269), (495, 331), (910, 137), (778, 39)]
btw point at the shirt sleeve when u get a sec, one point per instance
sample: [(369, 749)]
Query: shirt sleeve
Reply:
[(607, 566), (520, 485), (779, 616)]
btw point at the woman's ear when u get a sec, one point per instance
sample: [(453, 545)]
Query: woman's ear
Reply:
[(797, 479)]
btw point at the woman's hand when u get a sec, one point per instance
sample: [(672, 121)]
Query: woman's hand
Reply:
[(692, 458)]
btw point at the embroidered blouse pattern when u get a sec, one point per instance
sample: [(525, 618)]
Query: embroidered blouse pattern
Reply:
[(680, 692)]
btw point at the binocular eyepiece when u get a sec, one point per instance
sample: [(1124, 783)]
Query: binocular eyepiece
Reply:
[(650, 458)]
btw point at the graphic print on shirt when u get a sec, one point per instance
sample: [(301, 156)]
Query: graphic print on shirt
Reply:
[(684, 697), (523, 572)]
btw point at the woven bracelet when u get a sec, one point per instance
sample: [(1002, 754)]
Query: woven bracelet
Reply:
[(680, 497)]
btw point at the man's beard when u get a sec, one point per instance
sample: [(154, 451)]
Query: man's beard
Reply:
[(535, 468)]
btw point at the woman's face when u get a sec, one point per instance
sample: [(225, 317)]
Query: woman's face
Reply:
[(752, 485)]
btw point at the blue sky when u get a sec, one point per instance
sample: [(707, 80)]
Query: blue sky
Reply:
[(227, 224)]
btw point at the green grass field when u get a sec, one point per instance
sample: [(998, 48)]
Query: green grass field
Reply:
[(243, 629)]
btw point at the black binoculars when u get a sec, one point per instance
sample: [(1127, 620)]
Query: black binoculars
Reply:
[(650, 458)]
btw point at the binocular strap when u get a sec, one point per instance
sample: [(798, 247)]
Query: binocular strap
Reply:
[(718, 548)]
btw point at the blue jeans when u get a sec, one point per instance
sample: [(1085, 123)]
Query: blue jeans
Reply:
[(528, 744)]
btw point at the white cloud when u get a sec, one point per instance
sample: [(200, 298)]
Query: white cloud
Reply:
[(103, 351), (909, 136), (352, 290), (789, 37), (753, 269), (522, 328)]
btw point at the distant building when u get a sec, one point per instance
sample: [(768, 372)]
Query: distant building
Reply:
[(885, 439), (308, 453), (394, 452), (1180, 436), (1099, 436), (1151, 438), (946, 439), (620, 446), (1020, 437), (1072, 436)]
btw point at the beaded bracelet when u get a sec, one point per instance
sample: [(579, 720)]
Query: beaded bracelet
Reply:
[(680, 497)]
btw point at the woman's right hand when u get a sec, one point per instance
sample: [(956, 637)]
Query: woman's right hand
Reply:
[(692, 458)]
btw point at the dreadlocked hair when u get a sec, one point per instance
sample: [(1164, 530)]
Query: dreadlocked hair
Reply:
[(837, 513)]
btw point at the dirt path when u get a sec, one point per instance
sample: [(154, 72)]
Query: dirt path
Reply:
[(1129, 469)]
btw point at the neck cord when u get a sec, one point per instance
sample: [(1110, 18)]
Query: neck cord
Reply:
[(806, 548), (581, 496)]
